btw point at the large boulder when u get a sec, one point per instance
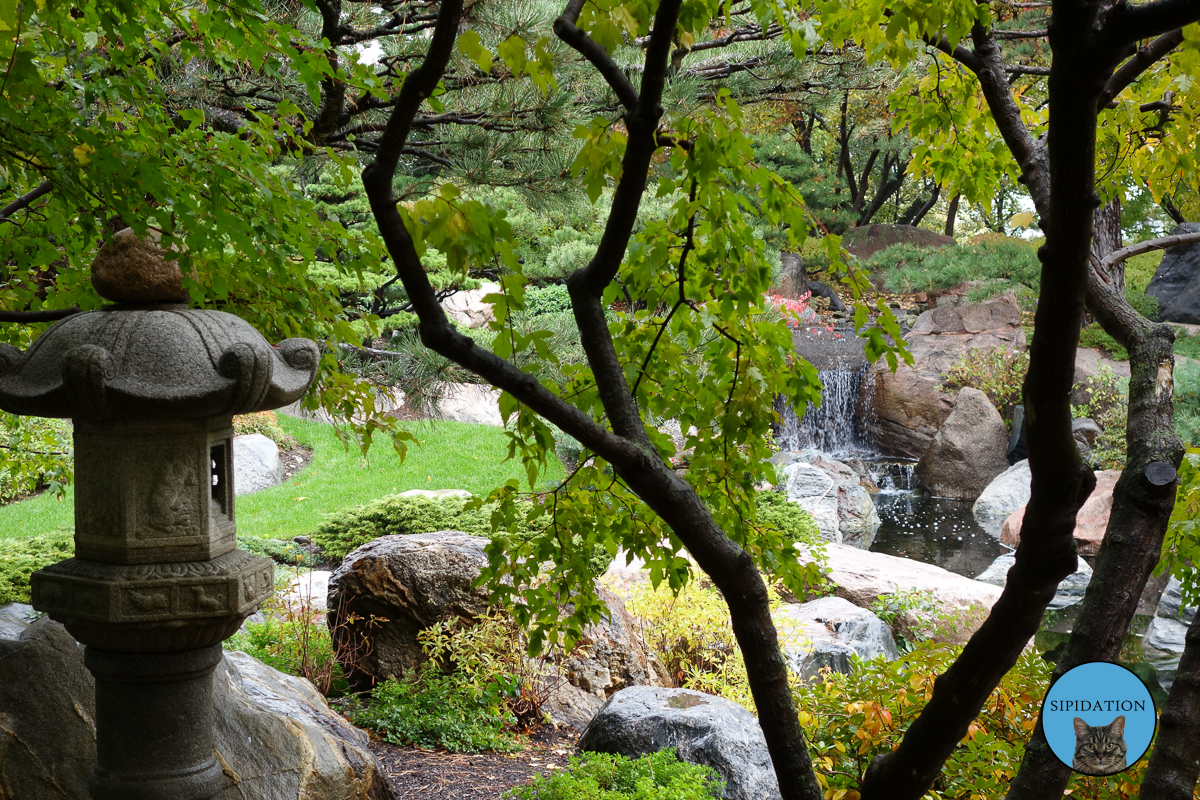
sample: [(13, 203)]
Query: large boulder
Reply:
[(867, 240), (1070, 590), (969, 450), (702, 728), (469, 402), (413, 581), (467, 307), (1007, 492), (832, 492), (256, 464), (793, 279), (902, 412), (826, 633), (1176, 282), (861, 577), (1090, 522), (274, 735)]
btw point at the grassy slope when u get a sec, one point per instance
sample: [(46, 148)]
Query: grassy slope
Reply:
[(452, 455)]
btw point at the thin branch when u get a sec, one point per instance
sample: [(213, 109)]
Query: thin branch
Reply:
[(1003, 35), (30, 317), (24, 200), (1162, 243), (1128, 24), (1017, 69)]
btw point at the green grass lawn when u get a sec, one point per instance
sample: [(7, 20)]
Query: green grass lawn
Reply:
[(452, 455)]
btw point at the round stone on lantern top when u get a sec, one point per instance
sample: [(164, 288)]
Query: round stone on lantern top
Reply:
[(134, 270)]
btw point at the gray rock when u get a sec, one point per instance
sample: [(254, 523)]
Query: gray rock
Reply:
[(1070, 589), (256, 464), (813, 490), (470, 402), (1170, 606), (702, 728), (1176, 282), (1007, 492), (828, 632), (902, 411), (1085, 431), (969, 450), (412, 581), (1166, 635), (468, 309), (833, 492), (274, 736)]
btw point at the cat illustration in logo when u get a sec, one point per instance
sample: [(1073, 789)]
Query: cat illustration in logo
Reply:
[(1099, 749)]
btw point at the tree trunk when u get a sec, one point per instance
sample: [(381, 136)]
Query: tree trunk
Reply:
[(951, 213), (1175, 763), (1106, 238)]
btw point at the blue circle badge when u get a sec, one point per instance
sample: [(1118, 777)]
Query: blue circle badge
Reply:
[(1098, 718)]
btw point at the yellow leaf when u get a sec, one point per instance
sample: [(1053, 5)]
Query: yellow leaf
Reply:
[(81, 153), (1021, 220)]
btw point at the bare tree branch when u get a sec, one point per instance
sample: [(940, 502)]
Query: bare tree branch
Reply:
[(564, 28), (30, 317), (1161, 243)]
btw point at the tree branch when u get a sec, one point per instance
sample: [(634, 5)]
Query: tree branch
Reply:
[(1161, 243), (30, 317), (24, 200), (564, 28), (1132, 69), (1127, 23)]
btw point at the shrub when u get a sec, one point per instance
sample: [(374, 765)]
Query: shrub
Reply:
[(550, 299), (266, 423), (773, 509), (20, 558), (997, 373), (1093, 336), (608, 776), (998, 265), (1187, 345), (35, 453), (435, 710), (1107, 403), (1187, 402), (345, 530), (281, 552), (476, 682)]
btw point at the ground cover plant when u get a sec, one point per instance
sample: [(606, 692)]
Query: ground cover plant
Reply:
[(609, 776), (997, 264), (20, 557)]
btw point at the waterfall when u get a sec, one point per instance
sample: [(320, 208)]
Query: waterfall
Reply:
[(834, 426)]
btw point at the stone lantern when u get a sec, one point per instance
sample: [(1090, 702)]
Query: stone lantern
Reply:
[(156, 583)]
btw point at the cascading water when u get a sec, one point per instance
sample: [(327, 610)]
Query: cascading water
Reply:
[(832, 427)]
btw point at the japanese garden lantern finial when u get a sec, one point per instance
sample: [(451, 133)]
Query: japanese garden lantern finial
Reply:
[(156, 583)]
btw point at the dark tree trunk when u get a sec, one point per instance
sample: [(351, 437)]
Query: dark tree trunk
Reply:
[(626, 447), (951, 213), (1175, 763), (918, 209)]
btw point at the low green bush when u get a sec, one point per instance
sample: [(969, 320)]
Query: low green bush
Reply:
[(1187, 403), (1093, 336), (345, 530), (21, 557), (607, 776), (295, 642), (550, 299), (287, 553), (774, 510), (998, 264), (1106, 402), (476, 684)]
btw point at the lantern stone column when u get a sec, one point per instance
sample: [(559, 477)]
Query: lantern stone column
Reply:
[(156, 583)]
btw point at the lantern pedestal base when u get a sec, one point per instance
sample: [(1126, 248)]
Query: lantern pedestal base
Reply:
[(154, 725)]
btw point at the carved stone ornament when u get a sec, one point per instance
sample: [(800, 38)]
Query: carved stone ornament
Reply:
[(155, 362), (155, 584)]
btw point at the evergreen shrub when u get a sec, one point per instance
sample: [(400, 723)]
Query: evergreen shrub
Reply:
[(21, 557), (609, 776), (345, 530)]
